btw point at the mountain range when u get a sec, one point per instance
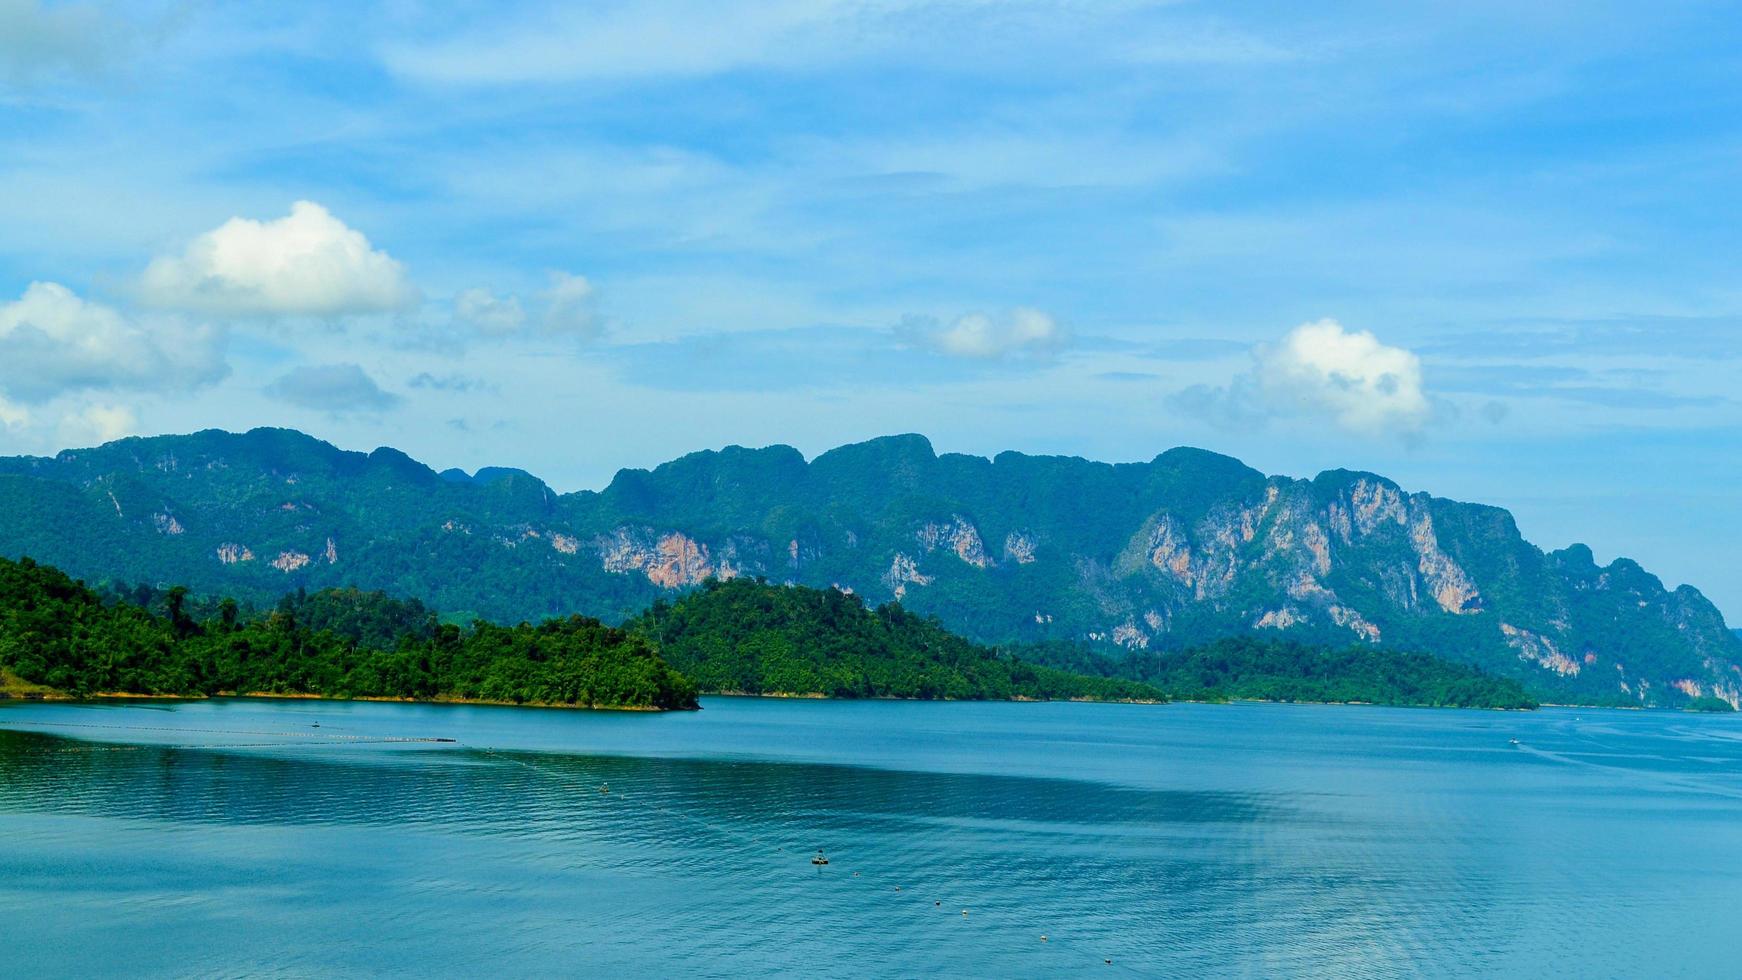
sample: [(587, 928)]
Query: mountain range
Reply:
[(1154, 556)]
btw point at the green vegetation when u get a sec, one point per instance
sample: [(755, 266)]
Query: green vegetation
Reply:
[(58, 634), (1013, 550), (1709, 704), (1264, 669), (753, 638)]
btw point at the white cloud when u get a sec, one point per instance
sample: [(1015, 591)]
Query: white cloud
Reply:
[(565, 308), (13, 417), (487, 313), (1321, 370), (1364, 385), (96, 423), (568, 306), (1024, 333), (52, 341), (306, 263)]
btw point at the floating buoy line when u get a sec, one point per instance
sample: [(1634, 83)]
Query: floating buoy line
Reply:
[(312, 739)]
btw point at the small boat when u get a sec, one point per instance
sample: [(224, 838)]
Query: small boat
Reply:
[(604, 787), (819, 860), (1512, 741)]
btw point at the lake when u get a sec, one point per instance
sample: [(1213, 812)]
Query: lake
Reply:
[(233, 837)]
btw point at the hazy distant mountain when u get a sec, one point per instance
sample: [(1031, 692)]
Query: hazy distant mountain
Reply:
[(1156, 555)]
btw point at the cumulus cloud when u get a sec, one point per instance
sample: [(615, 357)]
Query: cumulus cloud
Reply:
[(96, 424), (13, 417), (336, 388), (1362, 384), (564, 308), (1024, 333), (487, 313), (1321, 370), (307, 263), (52, 341), (568, 306)]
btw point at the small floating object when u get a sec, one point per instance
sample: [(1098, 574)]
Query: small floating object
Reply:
[(604, 787), (819, 860), (935, 904), (855, 874), (1108, 962), (964, 913), (1512, 741), (897, 887), (1043, 937)]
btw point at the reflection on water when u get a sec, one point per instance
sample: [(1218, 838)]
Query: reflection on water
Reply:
[(295, 838)]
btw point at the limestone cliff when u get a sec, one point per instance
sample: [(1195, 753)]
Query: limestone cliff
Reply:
[(1142, 556)]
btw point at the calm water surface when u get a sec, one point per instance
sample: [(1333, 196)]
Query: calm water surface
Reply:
[(236, 838)]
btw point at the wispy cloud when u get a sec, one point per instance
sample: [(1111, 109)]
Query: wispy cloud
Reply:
[(334, 388)]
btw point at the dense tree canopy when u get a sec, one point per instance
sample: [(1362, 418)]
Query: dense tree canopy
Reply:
[(1268, 669), (749, 637), (57, 633)]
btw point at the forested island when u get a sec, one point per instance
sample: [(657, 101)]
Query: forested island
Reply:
[(62, 638)]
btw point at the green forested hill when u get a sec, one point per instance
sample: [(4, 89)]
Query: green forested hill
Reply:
[(753, 638), (1134, 558), (58, 634), (1270, 669)]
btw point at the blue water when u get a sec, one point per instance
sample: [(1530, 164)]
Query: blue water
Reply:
[(235, 838)]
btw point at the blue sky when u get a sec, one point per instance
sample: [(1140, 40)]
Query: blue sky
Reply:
[(1489, 250)]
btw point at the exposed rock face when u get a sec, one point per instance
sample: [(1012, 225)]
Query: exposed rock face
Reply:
[(958, 536), (1129, 636), (1539, 649), (230, 553), (904, 571), (1351, 620), (1450, 587), (669, 560), (1175, 551), (290, 561)]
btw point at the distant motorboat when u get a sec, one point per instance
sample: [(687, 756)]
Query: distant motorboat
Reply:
[(819, 860)]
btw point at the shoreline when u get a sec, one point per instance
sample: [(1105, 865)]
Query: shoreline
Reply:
[(60, 697)]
